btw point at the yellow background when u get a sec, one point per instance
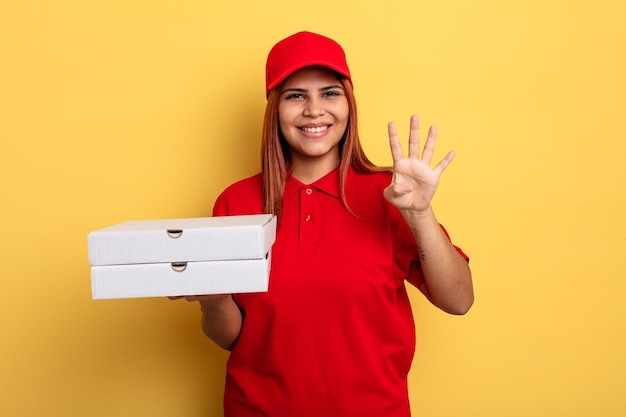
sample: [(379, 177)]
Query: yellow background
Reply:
[(120, 110)]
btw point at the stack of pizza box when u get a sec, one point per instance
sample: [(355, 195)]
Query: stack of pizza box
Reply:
[(177, 257)]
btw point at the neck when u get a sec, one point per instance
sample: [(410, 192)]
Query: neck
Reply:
[(309, 170)]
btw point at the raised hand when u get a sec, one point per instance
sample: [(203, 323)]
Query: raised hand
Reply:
[(414, 181)]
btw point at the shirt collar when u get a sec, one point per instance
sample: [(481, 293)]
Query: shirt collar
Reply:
[(328, 184)]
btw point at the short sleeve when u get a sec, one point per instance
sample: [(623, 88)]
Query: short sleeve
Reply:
[(241, 198), (406, 256)]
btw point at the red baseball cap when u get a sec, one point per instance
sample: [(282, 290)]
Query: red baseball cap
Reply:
[(303, 49)]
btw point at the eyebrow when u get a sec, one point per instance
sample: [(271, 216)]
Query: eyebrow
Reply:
[(304, 90)]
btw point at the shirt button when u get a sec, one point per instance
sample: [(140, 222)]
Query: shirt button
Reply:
[(307, 218), (309, 191)]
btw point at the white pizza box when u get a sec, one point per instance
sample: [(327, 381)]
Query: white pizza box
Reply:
[(183, 240), (179, 278)]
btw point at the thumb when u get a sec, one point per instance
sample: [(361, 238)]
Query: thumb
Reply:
[(395, 190)]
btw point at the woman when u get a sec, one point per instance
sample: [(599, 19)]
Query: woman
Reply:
[(334, 335)]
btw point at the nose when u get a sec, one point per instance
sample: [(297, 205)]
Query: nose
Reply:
[(314, 107)]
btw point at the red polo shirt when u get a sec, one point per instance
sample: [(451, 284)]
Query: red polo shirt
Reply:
[(334, 336)]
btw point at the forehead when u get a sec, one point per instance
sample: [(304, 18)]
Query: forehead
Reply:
[(311, 75)]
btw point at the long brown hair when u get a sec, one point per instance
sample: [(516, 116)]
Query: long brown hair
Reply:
[(275, 157)]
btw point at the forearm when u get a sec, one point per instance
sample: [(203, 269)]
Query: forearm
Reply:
[(447, 277), (221, 320)]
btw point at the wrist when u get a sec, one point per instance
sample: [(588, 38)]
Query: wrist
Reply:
[(213, 303), (418, 214), (420, 220)]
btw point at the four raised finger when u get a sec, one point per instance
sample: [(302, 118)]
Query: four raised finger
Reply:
[(414, 144)]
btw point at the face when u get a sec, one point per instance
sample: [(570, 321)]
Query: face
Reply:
[(313, 116)]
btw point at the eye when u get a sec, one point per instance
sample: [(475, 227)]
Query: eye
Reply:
[(332, 93), (294, 96)]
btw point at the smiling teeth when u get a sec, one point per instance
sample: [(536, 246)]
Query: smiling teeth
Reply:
[(317, 129)]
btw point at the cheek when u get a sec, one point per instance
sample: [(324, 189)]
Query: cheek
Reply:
[(345, 117), (285, 116), (282, 124), (343, 113), (285, 126)]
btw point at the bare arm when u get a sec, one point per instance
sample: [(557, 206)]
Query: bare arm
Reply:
[(221, 318), (447, 277)]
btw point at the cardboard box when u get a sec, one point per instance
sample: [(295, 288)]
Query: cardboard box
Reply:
[(154, 258), (179, 278), (178, 240)]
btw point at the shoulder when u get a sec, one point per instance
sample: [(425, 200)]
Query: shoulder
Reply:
[(242, 197), (246, 184), (364, 195), (360, 182)]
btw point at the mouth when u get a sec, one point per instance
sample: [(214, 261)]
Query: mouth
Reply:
[(314, 129)]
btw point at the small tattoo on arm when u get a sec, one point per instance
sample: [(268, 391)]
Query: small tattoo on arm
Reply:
[(422, 254)]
